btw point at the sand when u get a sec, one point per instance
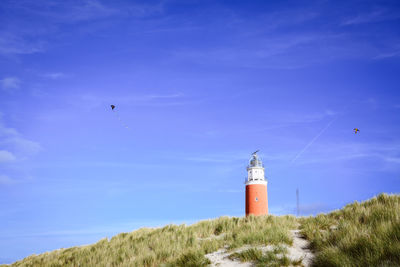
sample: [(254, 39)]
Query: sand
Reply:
[(299, 250)]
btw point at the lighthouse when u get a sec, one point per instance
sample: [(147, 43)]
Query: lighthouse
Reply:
[(256, 187)]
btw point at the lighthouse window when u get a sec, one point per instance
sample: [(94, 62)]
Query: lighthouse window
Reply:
[(256, 198)]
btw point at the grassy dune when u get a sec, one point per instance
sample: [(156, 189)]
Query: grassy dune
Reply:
[(360, 234), (171, 245)]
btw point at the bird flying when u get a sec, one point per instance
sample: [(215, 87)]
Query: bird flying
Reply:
[(112, 107), (356, 130)]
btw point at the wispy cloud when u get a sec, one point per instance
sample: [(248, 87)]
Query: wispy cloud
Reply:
[(372, 102), (17, 148), (284, 18), (301, 117), (388, 55), (16, 143), (6, 180), (22, 145), (21, 38), (163, 96), (67, 12), (364, 18), (12, 43), (375, 15), (255, 53), (230, 191), (54, 75), (227, 157), (10, 84), (387, 153), (6, 156), (91, 101), (279, 51)]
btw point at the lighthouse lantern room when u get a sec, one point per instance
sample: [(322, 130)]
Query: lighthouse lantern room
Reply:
[(256, 187)]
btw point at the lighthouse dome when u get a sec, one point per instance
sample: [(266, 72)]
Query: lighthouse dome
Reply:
[(255, 161)]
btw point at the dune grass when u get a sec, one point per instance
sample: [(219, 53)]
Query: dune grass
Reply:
[(360, 234), (171, 245), (270, 258)]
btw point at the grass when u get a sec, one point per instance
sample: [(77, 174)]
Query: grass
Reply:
[(360, 234), (171, 245), (270, 258)]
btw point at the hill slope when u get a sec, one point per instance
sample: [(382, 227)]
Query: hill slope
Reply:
[(360, 234)]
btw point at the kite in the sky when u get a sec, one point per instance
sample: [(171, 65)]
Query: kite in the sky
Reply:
[(356, 130), (118, 117)]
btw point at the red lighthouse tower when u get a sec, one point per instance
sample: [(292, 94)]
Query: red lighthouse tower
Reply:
[(256, 187)]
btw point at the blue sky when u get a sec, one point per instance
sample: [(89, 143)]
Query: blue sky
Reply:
[(200, 85)]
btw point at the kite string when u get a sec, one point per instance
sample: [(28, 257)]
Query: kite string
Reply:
[(312, 141), (119, 118)]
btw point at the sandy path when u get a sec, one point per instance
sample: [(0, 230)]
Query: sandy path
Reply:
[(220, 258), (299, 250)]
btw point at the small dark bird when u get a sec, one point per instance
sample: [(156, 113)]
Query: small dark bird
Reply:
[(112, 107), (356, 130)]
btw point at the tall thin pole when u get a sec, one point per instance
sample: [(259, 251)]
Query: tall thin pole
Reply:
[(297, 198)]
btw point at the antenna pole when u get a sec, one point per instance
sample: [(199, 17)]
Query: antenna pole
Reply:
[(297, 199)]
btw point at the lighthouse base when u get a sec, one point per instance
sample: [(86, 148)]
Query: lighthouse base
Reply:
[(256, 199)]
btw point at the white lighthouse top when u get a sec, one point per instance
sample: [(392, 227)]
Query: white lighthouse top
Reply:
[(255, 161), (255, 171)]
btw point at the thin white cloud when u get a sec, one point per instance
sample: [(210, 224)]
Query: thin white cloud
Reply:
[(372, 102), (371, 17), (6, 180), (387, 55), (230, 191), (90, 9), (10, 43), (54, 75), (227, 157), (386, 153), (63, 12), (16, 143), (22, 145), (364, 18), (6, 156), (278, 51), (297, 117), (14, 147), (21, 38), (10, 84), (163, 96), (91, 101), (6, 131)]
